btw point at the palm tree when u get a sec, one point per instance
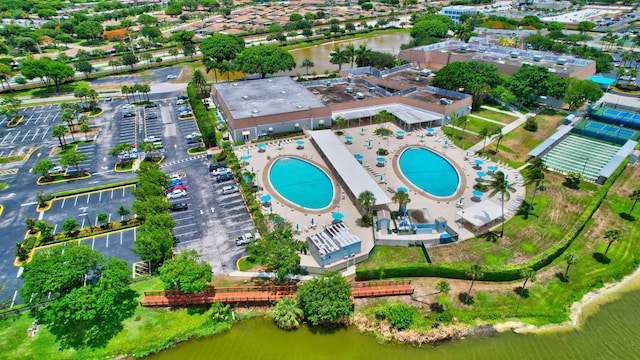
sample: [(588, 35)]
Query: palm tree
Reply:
[(93, 95), (125, 91), (149, 150), (200, 81), (338, 57), (361, 54), (464, 120), (534, 176), (502, 186), (287, 314), (174, 52), (225, 68), (60, 131), (611, 236), (145, 89), (350, 50), (626, 58), (635, 196), (499, 136), (84, 127), (570, 259), (307, 63), (366, 200), (528, 274), (402, 199), (212, 65), (474, 271), (483, 134)]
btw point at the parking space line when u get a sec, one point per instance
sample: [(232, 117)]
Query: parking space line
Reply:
[(187, 233), (111, 194), (107, 241), (100, 197), (63, 201), (93, 243), (185, 218), (76, 201), (88, 197), (14, 139), (182, 226), (121, 236), (55, 228)]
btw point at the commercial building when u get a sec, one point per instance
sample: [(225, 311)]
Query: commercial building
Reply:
[(333, 244), (454, 12), (506, 59)]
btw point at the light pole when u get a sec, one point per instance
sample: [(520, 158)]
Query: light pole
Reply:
[(585, 165), (87, 217)]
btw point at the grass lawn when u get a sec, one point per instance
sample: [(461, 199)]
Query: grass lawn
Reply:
[(394, 255), (515, 146), (246, 263), (146, 331), (9, 159), (494, 115), (476, 125)]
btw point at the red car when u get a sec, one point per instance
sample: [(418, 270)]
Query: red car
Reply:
[(175, 187)]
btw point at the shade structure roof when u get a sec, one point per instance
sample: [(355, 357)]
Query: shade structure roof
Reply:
[(481, 214), (408, 114), (347, 167)]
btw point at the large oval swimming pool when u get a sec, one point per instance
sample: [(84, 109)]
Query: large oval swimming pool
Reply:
[(301, 183), (429, 171)]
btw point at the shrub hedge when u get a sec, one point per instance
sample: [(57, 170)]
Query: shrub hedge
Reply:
[(205, 122), (456, 270)]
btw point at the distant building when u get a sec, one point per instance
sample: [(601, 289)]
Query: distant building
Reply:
[(454, 12), (333, 244), (506, 59)]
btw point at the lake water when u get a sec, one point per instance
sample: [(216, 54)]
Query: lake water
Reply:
[(611, 331)]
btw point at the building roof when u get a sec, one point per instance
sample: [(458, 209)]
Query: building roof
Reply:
[(332, 239), (246, 99), (350, 171), (407, 114), (481, 213)]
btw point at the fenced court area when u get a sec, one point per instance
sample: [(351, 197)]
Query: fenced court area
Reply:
[(617, 114), (604, 131)]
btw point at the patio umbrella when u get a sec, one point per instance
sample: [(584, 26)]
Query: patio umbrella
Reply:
[(477, 193), (300, 144), (492, 169), (430, 131), (279, 144), (422, 137), (270, 209), (402, 189), (478, 162), (466, 155), (297, 228), (400, 133), (359, 157), (313, 222), (265, 198), (337, 216), (260, 147), (369, 144), (481, 174), (348, 139), (381, 178), (244, 158), (362, 131), (380, 160)]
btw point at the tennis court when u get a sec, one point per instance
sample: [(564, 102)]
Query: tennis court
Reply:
[(617, 114), (611, 129), (617, 117), (606, 131)]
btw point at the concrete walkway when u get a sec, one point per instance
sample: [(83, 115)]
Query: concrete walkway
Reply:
[(351, 270), (505, 130)]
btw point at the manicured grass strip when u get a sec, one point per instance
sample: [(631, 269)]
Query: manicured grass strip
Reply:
[(246, 263), (90, 189), (9, 159), (493, 115)]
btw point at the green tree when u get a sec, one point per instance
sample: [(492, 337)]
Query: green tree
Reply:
[(635, 196), (10, 106), (279, 251), (5, 75), (325, 299), (464, 74), (499, 185), (339, 57), (611, 236), (264, 60), (174, 52), (145, 19), (70, 225), (570, 259), (32, 68), (572, 179), (307, 63), (429, 28), (362, 53), (59, 72), (84, 67), (59, 131), (154, 245), (123, 211), (580, 91), (402, 199), (186, 272), (474, 271), (527, 274), (102, 219), (584, 26), (287, 314), (483, 134), (200, 81), (366, 200), (43, 167), (130, 59), (535, 175), (30, 223), (73, 158), (85, 128), (443, 287), (90, 30), (530, 82), (221, 47)]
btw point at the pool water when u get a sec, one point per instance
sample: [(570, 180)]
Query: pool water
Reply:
[(301, 183), (429, 171)]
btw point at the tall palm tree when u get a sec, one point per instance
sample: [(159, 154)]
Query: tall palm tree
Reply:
[(125, 91), (528, 274), (59, 131), (570, 259), (500, 185), (350, 50), (464, 120), (483, 134), (402, 199), (145, 89), (200, 81), (287, 314), (499, 135), (474, 271), (611, 236), (635, 196), (307, 63), (534, 176), (361, 54), (225, 68), (338, 57), (366, 199), (212, 65)]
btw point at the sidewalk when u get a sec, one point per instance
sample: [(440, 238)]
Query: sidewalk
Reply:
[(505, 130)]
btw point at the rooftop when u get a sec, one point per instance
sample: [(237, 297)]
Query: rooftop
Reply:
[(333, 238), (263, 97)]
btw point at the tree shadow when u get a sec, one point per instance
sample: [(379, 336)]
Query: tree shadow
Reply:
[(436, 307), (627, 216), (467, 300), (562, 277), (490, 236), (523, 293), (197, 310), (601, 258)]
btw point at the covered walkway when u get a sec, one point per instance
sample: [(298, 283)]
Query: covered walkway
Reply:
[(410, 117)]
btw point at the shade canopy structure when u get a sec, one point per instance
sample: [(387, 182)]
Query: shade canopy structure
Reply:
[(381, 159), (402, 189), (245, 158), (261, 147), (481, 174), (492, 169), (430, 131), (358, 156), (400, 134), (265, 198), (481, 214), (300, 144), (348, 139), (355, 177), (478, 162), (337, 216)]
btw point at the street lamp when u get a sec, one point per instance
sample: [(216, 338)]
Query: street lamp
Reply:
[(585, 165), (87, 217)]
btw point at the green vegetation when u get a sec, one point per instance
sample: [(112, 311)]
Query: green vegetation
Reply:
[(279, 251), (246, 263), (325, 299), (494, 115), (10, 159), (186, 272)]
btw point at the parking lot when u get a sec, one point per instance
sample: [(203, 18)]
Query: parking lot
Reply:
[(34, 130)]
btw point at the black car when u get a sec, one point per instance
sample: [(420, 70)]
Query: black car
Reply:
[(224, 177), (215, 166), (152, 116), (129, 114), (179, 206), (182, 97), (151, 105)]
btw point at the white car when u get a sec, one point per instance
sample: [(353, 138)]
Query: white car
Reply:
[(128, 106), (176, 194), (229, 190), (220, 171), (176, 176), (180, 102), (169, 77)]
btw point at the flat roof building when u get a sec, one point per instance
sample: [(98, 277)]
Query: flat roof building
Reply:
[(506, 59), (454, 12)]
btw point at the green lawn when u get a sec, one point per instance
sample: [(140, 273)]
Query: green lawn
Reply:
[(476, 125), (494, 115), (394, 255)]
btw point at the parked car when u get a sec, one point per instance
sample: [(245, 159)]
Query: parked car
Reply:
[(175, 176), (179, 206), (182, 97), (247, 238), (173, 183), (152, 139), (107, 98), (151, 116), (174, 188), (55, 170), (180, 102), (169, 77), (229, 190), (183, 109), (224, 177), (176, 194), (151, 105), (214, 166), (129, 114), (220, 171), (128, 106)]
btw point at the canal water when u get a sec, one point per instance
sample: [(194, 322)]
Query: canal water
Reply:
[(610, 328), (320, 54)]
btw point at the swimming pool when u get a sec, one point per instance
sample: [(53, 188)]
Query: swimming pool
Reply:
[(429, 171), (301, 183)]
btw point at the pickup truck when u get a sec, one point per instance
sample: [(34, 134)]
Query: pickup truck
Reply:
[(247, 238)]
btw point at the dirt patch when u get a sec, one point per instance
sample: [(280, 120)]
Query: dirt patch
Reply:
[(339, 93), (516, 145), (185, 75), (410, 77)]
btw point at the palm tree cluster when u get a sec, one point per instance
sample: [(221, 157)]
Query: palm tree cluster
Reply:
[(350, 55), (500, 185), (133, 90), (200, 81)]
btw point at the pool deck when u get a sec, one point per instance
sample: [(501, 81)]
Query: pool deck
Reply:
[(392, 179)]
